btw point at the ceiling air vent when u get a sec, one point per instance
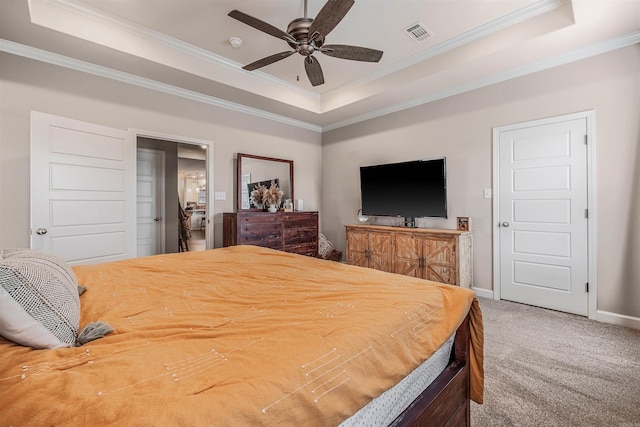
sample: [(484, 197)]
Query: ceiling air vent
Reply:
[(418, 32)]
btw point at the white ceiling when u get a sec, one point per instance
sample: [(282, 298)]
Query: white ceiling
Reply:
[(182, 47)]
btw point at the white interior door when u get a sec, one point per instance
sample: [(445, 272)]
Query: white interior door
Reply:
[(543, 225), (82, 190), (150, 206)]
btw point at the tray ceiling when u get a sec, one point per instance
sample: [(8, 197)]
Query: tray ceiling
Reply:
[(183, 47)]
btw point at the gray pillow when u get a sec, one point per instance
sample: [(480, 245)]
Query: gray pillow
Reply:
[(39, 301)]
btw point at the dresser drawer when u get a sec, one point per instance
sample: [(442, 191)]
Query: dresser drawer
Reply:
[(260, 227), (301, 223), (300, 235), (259, 218), (309, 249), (272, 244), (253, 235)]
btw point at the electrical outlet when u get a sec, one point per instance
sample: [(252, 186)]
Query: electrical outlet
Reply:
[(221, 195)]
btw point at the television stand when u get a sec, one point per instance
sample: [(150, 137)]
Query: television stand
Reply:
[(444, 256)]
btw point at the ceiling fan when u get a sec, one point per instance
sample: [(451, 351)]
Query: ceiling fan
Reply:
[(306, 36)]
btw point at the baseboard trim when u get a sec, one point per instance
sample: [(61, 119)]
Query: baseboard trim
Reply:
[(601, 316), (618, 319), (484, 293)]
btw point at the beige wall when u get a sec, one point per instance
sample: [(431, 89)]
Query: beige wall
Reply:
[(27, 85), (460, 128)]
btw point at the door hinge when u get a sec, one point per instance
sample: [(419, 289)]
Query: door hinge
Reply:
[(586, 213), (587, 287), (586, 139)]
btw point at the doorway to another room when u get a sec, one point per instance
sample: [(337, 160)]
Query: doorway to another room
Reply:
[(173, 218), (192, 196)]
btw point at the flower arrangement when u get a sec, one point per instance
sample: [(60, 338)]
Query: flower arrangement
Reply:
[(272, 195), (268, 196), (257, 193)]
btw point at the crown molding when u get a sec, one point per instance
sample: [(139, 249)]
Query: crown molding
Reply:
[(98, 70), (75, 64), (132, 28), (576, 55)]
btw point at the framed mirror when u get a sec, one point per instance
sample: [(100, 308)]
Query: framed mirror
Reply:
[(252, 170)]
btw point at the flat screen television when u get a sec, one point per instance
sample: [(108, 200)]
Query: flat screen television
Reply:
[(408, 189)]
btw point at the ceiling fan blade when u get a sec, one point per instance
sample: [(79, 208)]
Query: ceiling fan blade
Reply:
[(260, 25), (314, 71), (354, 53), (268, 60), (329, 16)]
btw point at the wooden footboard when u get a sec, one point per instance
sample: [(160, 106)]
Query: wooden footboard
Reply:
[(446, 402)]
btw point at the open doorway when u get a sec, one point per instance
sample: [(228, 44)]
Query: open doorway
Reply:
[(192, 196), (184, 194)]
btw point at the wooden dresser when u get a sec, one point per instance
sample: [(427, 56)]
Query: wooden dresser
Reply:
[(444, 256), (295, 232)]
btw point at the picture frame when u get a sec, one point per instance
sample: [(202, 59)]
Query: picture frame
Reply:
[(464, 223)]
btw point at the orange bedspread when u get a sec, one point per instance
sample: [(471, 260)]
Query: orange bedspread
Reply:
[(235, 336)]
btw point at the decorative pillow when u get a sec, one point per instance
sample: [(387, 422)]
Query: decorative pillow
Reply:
[(39, 301)]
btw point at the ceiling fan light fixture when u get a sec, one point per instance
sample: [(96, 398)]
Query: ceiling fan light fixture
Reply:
[(306, 36)]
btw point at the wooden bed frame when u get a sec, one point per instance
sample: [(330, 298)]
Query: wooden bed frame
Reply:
[(446, 401)]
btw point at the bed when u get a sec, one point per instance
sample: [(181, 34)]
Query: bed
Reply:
[(251, 336)]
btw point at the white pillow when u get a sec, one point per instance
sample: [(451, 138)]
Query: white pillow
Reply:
[(39, 302)]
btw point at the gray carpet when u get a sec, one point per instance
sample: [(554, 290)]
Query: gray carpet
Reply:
[(545, 368)]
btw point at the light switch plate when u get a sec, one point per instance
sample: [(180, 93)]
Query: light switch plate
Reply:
[(221, 195), (486, 193)]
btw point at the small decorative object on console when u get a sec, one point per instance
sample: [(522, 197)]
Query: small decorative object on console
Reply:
[(360, 217), (464, 223)]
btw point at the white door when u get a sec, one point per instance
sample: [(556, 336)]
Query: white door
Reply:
[(150, 206), (542, 219), (82, 190)]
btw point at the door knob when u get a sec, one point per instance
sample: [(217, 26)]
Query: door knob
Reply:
[(157, 219), (505, 224), (41, 231)]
